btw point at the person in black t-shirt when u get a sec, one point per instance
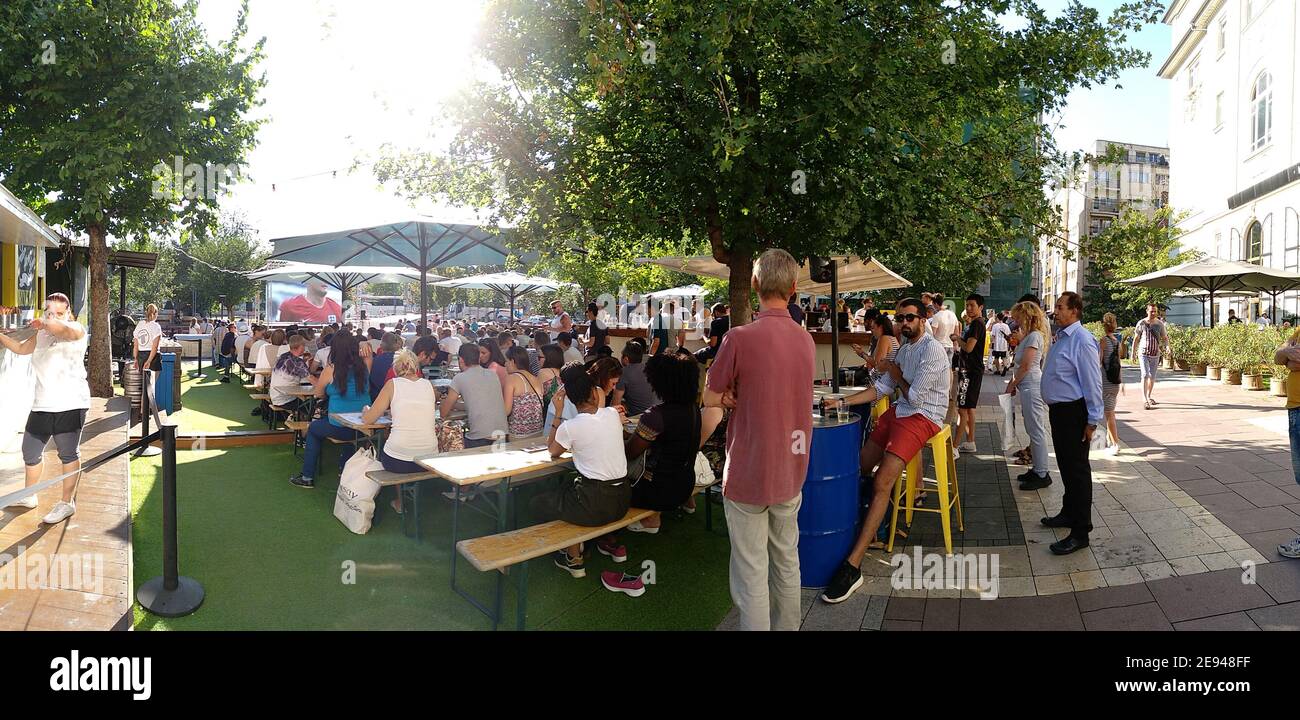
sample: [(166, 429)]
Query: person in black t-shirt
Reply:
[(970, 370), (717, 329)]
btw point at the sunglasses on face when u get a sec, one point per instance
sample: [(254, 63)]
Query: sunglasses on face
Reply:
[(907, 317)]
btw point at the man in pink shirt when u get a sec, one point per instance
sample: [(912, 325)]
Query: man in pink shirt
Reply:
[(764, 372)]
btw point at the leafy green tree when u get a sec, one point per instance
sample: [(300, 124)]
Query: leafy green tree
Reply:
[(219, 261), (121, 119), (890, 129), (1135, 244), (147, 286)]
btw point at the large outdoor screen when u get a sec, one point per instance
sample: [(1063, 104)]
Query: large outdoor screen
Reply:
[(313, 302)]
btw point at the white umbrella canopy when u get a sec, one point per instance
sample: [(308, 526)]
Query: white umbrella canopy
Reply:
[(856, 274), (690, 291), (509, 285), (340, 278), (1215, 275)]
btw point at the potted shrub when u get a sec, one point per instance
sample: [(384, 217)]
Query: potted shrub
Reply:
[(1197, 346), (1277, 385), (1214, 352), (1180, 346)]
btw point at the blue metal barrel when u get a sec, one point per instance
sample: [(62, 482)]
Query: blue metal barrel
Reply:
[(828, 517)]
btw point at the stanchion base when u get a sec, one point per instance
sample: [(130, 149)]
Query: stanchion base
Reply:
[(149, 451), (185, 599)]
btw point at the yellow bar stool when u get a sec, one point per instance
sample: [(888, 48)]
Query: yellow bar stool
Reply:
[(879, 407), (945, 471)]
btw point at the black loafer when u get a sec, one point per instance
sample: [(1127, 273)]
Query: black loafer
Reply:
[(1068, 545), (1055, 522), (1036, 483)]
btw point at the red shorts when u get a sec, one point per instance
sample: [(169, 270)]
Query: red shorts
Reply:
[(904, 436)]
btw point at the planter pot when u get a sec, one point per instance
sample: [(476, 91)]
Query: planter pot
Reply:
[(1278, 387), (1168, 363), (1182, 364), (1198, 369), (1253, 382), (1212, 372), (1230, 377)]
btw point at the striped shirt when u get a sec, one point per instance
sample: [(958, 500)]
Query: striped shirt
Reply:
[(925, 367)]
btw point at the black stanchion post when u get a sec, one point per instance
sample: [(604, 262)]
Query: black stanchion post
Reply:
[(170, 595)]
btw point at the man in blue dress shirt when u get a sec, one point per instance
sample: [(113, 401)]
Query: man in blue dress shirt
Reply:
[(1071, 388)]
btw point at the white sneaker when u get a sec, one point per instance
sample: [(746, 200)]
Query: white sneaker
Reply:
[(969, 447), (62, 511), (638, 527), (1113, 449), (28, 503)]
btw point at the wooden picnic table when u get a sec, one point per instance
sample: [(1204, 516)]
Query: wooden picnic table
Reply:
[(470, 468)]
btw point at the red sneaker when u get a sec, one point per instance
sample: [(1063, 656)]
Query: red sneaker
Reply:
[(612, 549), (622, 582)]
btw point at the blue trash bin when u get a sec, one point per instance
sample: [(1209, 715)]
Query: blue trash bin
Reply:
[(828, 517)]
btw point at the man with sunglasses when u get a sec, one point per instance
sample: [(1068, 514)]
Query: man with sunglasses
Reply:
[(921, 373), (62, 398)]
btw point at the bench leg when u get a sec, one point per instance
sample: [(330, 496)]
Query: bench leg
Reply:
[(415, 509), (708, 508), (521, 596)]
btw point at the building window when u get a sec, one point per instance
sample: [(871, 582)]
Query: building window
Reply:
[(1193, 76), (1254, 243), (1261, 112), (1221, 38), (1218, 111), (1218, 244)]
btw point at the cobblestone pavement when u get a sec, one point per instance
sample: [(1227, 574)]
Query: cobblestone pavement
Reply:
[(1187, 518)]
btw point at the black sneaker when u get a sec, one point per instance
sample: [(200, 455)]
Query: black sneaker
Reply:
[(846, 580), (1030, 481), (256, 411), (302, 482), (571, 565)]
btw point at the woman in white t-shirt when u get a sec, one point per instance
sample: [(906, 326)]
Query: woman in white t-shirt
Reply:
[(148, 335), (412, 402), (601, 493), (60, 401)]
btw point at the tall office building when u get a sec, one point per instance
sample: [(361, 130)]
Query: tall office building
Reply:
[(1088, 205)]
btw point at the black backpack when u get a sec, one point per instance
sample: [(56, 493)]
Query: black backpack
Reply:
[(1112, 363)]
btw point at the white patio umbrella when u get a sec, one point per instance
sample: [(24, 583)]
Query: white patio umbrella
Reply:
[(510, 285), (419, 244), (342, 278), (855, 274), (1216, 275), (685, 291)]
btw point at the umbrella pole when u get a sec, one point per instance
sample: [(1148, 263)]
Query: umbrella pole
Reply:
[(1211, 308), (835, 326), (424, 297)]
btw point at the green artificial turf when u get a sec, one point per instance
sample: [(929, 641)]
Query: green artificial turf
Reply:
[(211, 406), (272, 556)]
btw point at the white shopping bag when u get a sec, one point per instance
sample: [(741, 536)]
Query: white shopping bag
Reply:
[(354, 505), (1098, 440), (1008, 404)]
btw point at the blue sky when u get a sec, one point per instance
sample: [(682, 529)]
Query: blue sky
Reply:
[(1138, 113)]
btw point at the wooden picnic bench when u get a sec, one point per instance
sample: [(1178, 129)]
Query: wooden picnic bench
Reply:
[(505, 550), (408, 484)]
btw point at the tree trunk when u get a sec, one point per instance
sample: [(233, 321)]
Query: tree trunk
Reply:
[(100, 368), (738, 286)]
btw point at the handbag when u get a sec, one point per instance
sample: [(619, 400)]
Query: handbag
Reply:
[(354, 504), (451, 435), (704, 470)]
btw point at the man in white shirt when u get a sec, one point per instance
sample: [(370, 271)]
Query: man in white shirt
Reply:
[(945, 324), (1000, 332), (449, 343), (571, 353), (288, 373)]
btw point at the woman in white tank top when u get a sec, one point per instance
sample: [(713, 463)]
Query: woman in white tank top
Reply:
[(412, 402)]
